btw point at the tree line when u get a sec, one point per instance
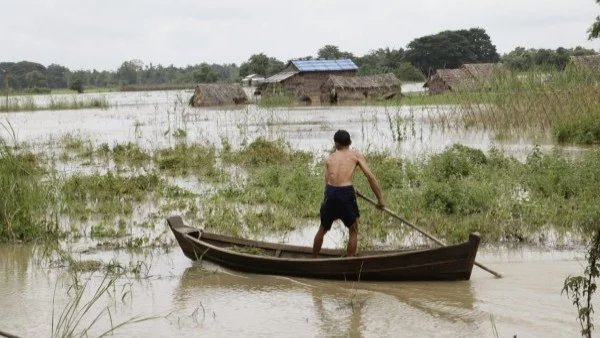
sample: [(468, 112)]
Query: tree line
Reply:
[(422, 56)]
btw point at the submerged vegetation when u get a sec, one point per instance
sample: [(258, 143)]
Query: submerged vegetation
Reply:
[(57, 102), (25, 196), (267, 187)]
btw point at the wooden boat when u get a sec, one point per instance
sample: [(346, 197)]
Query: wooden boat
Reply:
[(454, 262)]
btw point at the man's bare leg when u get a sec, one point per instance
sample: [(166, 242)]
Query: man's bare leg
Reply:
[(353, 239), (318, 242)]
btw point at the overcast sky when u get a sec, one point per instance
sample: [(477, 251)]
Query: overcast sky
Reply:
[(101, 34)]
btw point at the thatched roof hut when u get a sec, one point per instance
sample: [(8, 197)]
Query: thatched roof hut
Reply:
[(468, 76), (481, 71), (345, 88), (448, 79), (207, 95), (588, 62)]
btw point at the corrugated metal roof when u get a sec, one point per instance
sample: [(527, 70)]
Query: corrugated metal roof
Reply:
[(279, 77), (324, 65)]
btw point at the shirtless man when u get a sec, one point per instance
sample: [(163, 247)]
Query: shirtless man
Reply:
[(339, 201)]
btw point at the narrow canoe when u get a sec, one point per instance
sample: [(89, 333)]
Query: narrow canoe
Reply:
[(454, 262)]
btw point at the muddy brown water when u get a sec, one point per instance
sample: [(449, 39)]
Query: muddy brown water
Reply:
[(191, 299)]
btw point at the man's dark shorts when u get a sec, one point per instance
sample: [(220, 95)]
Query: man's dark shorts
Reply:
[(339, 203)]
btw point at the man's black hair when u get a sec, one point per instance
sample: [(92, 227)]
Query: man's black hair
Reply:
[(342, 138)]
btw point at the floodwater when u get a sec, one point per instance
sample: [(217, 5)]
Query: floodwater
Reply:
[(151, 118), (191, 299)]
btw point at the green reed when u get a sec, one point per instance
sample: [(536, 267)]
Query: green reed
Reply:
[(563, 104), (25, 196)]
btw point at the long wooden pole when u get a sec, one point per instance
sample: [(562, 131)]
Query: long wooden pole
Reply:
[(393, 214), (7, 335)]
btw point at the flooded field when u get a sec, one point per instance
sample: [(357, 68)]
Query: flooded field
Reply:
[(172, 296), (150, 119)]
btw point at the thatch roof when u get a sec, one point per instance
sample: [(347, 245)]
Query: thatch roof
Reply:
[(453, 78), (481, 71), (388, 81), (468, 75), (587, 61), (218, 94)]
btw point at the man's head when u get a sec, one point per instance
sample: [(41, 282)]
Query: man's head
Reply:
[(342, 139)]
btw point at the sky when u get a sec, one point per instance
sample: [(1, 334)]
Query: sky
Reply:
[(102, 34)]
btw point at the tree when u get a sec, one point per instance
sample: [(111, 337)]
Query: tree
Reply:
[(205, 74), (522, 59), (451, 49), (129, 71), (408, 72), (382, 60), (594, 31), (35, 79), (57, 76), (261, 64), (333, 52), (77, 85)]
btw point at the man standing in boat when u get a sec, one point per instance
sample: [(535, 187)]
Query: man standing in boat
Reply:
[(339, 201)]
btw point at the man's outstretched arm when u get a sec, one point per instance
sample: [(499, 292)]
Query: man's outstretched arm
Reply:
[(362, 163)]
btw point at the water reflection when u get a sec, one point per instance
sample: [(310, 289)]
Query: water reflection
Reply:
[(326, 308)]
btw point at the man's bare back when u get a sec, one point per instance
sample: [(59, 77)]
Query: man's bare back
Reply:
[(340, 167)]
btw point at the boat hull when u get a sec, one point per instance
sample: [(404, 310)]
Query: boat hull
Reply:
[(453, 262)]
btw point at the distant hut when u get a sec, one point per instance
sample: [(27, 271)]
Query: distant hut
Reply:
[(448, 80), (207, 95), (468, 76), (587, 62), (303, 78), (343, 88), (481, 71)]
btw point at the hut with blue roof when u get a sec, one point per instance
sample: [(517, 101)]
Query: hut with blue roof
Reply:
[(303, 78)]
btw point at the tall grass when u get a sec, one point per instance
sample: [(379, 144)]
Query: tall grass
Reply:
[(564, 104), (24, 198), (276, 96), (58, 103), (78, 317), (27, 103)]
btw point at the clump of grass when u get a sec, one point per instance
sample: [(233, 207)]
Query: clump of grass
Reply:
[(186, 159), (276, 97), (261, 152), (76, 318), (24, 197), (27, 103), (107, 195), (14, 104), (278, 176), (85, 266), (57, 103), (125, 154)]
